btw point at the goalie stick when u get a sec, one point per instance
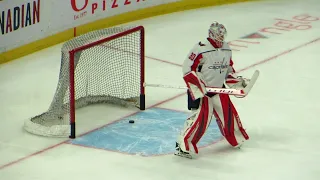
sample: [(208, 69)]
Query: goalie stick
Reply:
[(240, 93)]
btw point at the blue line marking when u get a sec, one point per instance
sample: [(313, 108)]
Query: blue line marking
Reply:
[(154, 133)]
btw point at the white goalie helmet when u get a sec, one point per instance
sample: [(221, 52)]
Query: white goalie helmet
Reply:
[(218, 33)]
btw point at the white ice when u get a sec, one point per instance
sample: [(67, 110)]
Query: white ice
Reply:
[(281, 114)]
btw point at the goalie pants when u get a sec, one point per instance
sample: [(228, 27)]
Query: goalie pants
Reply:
[(221, 107)]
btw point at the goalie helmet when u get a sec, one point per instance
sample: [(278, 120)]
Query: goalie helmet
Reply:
[(217, 32)]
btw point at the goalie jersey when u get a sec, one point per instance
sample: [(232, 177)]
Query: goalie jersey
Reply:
[(212, 65)]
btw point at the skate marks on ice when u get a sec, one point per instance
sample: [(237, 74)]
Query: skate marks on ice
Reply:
[(153, 133)]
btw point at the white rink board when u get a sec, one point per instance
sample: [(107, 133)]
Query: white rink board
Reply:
[(41, 18)]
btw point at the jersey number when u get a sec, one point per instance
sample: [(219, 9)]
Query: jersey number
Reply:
[(192, 56)]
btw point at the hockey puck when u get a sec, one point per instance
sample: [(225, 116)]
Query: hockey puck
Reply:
[(131, 121)]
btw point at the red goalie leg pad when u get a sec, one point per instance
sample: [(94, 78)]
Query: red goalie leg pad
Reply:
[(242, 130), (188, 135), (198, 129), (228, 117), (203, 122), (220, 125)]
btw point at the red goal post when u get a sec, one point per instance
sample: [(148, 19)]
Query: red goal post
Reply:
[(103, 66)]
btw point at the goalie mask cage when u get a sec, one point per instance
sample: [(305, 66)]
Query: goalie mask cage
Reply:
[(103, 66)]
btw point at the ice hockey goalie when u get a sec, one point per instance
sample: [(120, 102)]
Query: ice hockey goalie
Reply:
[(209, 64)]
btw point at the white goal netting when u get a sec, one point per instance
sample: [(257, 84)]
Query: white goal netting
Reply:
[(103, 66)]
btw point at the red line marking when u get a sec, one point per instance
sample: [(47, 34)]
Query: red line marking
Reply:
[(133, 154), (91, 147), (163, 61), (259, 63), (280, 54), (74, 32), (149, 57), (31, 155), (66, 141)]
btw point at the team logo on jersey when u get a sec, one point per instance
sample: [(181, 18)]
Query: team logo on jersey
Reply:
[(220, 66)]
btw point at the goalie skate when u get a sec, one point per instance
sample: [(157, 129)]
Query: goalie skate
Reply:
[(181, 153)]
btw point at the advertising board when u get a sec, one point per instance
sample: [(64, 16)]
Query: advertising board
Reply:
[(22, 22)]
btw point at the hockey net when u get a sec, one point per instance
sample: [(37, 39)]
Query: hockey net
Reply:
[(103, 66)]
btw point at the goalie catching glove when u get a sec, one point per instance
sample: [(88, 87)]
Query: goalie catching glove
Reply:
[(236, 82)]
